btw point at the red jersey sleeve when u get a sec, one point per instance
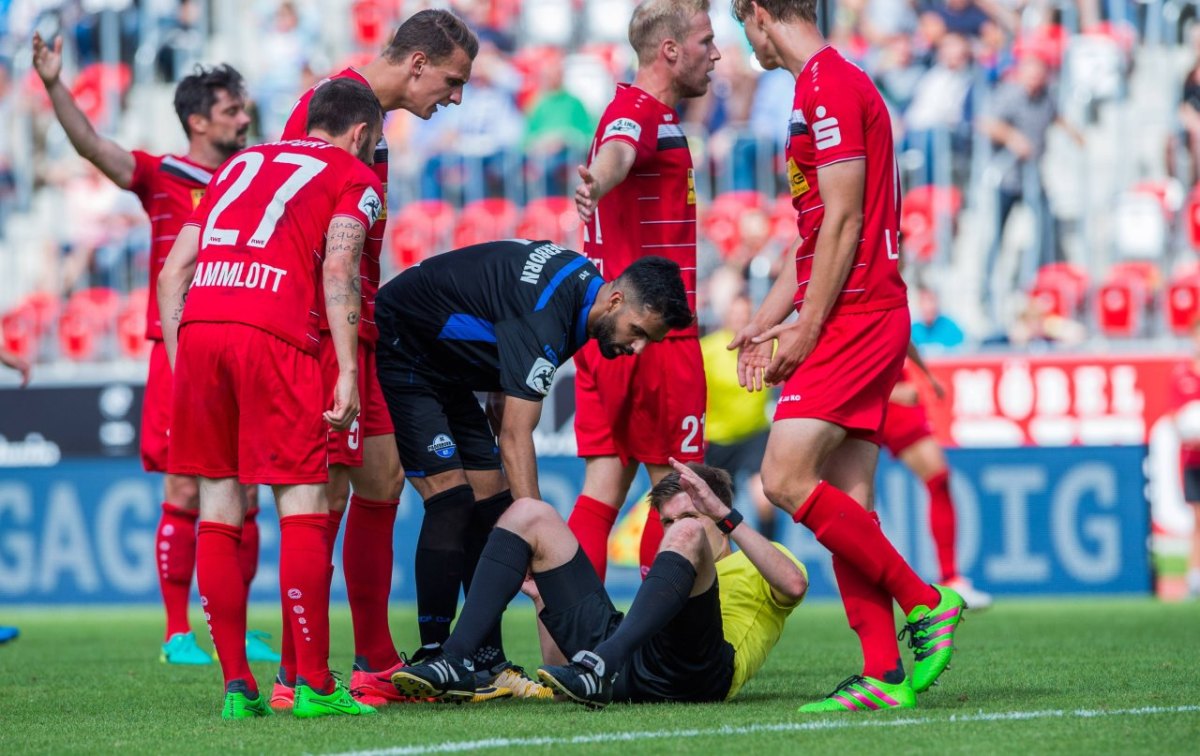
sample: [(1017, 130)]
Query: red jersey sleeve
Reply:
[(837, 122), (144, 167), (361, 198), (623, 123)]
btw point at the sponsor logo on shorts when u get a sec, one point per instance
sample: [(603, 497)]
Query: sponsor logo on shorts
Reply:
[(541, 375), (442, 445), (789, 398)]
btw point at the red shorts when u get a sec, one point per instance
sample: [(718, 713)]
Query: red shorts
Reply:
[(156, 410), (849, 376), (644, 408), (345, 447), (247, 404), (905, 425)]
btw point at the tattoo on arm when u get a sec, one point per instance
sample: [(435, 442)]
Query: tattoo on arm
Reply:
[(345, 239)]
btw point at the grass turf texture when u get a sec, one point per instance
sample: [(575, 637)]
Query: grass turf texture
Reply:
[(86, 680)]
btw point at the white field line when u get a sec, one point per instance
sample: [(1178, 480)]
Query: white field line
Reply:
[(851, 722)]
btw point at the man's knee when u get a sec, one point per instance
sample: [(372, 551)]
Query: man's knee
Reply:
[(786, 491), (526, 516), (182, 491), (687, 538)]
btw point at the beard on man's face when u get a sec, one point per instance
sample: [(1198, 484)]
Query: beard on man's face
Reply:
[(606, 339)]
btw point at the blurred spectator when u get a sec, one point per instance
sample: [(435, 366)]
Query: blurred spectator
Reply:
[(1022, 112), (471, 148), (8, 117), (970, 18), (284, 47), (932, 328), (180, 42), (1189, 121), (939, 109), (898, 73), (558, 130), (1036, 328)]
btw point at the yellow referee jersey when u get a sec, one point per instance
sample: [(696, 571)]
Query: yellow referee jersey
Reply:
[(733, 414), (751, 617)]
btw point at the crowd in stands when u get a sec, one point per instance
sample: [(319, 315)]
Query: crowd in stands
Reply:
[(974, 86)]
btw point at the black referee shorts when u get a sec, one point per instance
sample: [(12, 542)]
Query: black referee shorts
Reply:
[(688, 660)]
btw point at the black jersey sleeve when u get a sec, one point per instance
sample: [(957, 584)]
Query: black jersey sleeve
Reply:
[(530, 352)]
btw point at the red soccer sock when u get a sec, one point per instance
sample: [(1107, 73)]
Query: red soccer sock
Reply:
[(248, 551), (175, 545), (942, 524), (223, 596), (652, 536), (367, 562), (304, 590), (869, 612), (332, 525), (847, 530), (592, 521)]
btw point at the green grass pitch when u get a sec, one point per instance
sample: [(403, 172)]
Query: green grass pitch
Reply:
[(1070, 676)]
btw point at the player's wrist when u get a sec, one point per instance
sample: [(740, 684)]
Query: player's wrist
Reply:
[(731, 520)]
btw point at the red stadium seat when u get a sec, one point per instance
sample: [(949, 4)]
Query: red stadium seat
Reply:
[(1183, 302), (78, 335), (1120, 306), (99, 303), (919, 214), (553, 218), (783, 219), (1192, 210), (722, 221), (131, 326), (485, 220), (421, 230), (1047, 42), (372, 21), (44, 306), (90, 88), (1060, 288), (19, 330)]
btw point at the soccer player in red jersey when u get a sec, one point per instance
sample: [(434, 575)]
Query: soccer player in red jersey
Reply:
[(839, 359), (907, 437), (282, 223), (426, 65), (1185, 401), (211, 106), (637, 197)]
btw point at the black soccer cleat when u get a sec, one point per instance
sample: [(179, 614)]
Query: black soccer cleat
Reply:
[(583, 680), (444, 678)]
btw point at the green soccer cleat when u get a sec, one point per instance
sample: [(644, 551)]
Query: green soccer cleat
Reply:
[(238, 705), (257, 649), (181, 648), (931, 637), (309, 703), (861, 693)]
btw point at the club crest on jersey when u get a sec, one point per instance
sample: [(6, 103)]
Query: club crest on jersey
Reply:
[(442, 445), (541, 375), (370, 205), (691, 187), (197, 195), (626, 126)]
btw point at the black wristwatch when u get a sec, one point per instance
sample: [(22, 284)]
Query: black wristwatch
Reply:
[(730, 521)]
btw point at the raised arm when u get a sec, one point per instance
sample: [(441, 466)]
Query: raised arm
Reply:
[(609, 168), (788, 582), (173, 284), (343, 307), (113, 160)]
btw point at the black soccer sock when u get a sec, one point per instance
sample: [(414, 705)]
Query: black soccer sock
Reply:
[(662, 595), (439, 562), (502, 568), (483, 519)]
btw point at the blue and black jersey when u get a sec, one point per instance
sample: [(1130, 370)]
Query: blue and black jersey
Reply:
[(500, 316)]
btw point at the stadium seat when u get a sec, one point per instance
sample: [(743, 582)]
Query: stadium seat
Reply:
[(721, 222), (19, 330), (421, 230), (44, 307), (372, 21), (91, 88), (1120, 306), (1192, 211), (1047, 42), (1060, 289), (485, 220), (1183, 302), (99, 303), (131, 326), (919, 214), (77, 335), (553, 218), (783, 220)]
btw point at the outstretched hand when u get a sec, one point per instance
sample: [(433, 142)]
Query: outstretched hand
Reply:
[(753, 357), (585, 195), (47, 60)]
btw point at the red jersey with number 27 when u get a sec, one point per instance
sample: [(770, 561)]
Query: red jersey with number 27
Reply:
[(838, 115), (653, 211), (169, 188), (368, 333), (262, 235)]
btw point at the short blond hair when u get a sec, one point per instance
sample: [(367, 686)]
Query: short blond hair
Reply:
[(657, 20)]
